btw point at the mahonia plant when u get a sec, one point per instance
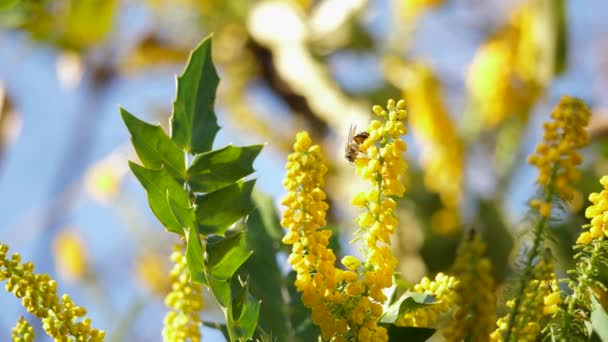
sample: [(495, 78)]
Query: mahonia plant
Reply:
[(61, 318)]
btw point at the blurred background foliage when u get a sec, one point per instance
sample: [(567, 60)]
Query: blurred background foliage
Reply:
[(479, 78)]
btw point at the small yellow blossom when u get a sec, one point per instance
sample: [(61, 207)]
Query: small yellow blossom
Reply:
[(541, 297), (23, 331), (443, 289), (474, 293), (598, 213), (70, 254), (152, 271), (556, 157), (38, 293), (183, 322)]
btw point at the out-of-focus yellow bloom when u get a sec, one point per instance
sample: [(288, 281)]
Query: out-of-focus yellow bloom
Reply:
[(443, 289), (540, 298), (38, 293), (442, 149), (182, 322), (103, 180), (504, 77), (557, 157), (598, 213), (71, 258), (23, 331), (412, 9), (153, 272), (474, 294)]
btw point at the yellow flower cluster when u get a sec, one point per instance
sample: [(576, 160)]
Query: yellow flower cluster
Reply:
[(442, 149), (443, 290), (474, 293), (335, 296), (183, 322), (38, 293), (317, 277), (383, 166), (411, 9), (503, 77), (598, 213), (23, 331), (540, 298), (557, 156)]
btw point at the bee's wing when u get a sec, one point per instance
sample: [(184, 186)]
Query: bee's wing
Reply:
[(351, 133)]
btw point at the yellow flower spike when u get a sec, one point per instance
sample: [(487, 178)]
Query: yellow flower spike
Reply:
[(540, 298), (39, 297), (182, 322), (474, 293)]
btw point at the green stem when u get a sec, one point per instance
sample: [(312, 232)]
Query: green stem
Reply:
[(527, 274), (581, 287)]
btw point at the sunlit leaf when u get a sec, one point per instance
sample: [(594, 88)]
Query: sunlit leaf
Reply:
[(407, 302), (193, 123), (226, 255), (158, 184), (154, 147), (242, 317), (215, 169), (599, 319), (216, 211)]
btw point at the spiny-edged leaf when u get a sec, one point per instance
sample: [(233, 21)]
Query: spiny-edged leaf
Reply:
[(193, 123), (242, 316), (157, 184), (215, 169), (154, 147), (599, 319), (407, 302), (218, 326), (194, 256), (264, 237), (216, 211), (226, 254), (221, 290), (410, 334)]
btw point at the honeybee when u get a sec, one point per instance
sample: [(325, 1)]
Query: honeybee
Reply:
[(351, 149)]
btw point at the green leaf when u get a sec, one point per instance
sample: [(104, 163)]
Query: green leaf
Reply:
[(216, 211), (194, 255), (193, 123), (226, 254), (264, 237), (407, 302), (215, 169), (242, 316), (561, 44), (410, 334), (154, 147), (495, 233), (599, 319), (159, 185)]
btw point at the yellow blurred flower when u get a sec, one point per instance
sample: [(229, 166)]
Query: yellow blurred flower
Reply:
[(412, 9), (103, 180), (556, 157), (70, 253), (474, 294), (183, 321), (505, 77), (152, 271)]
